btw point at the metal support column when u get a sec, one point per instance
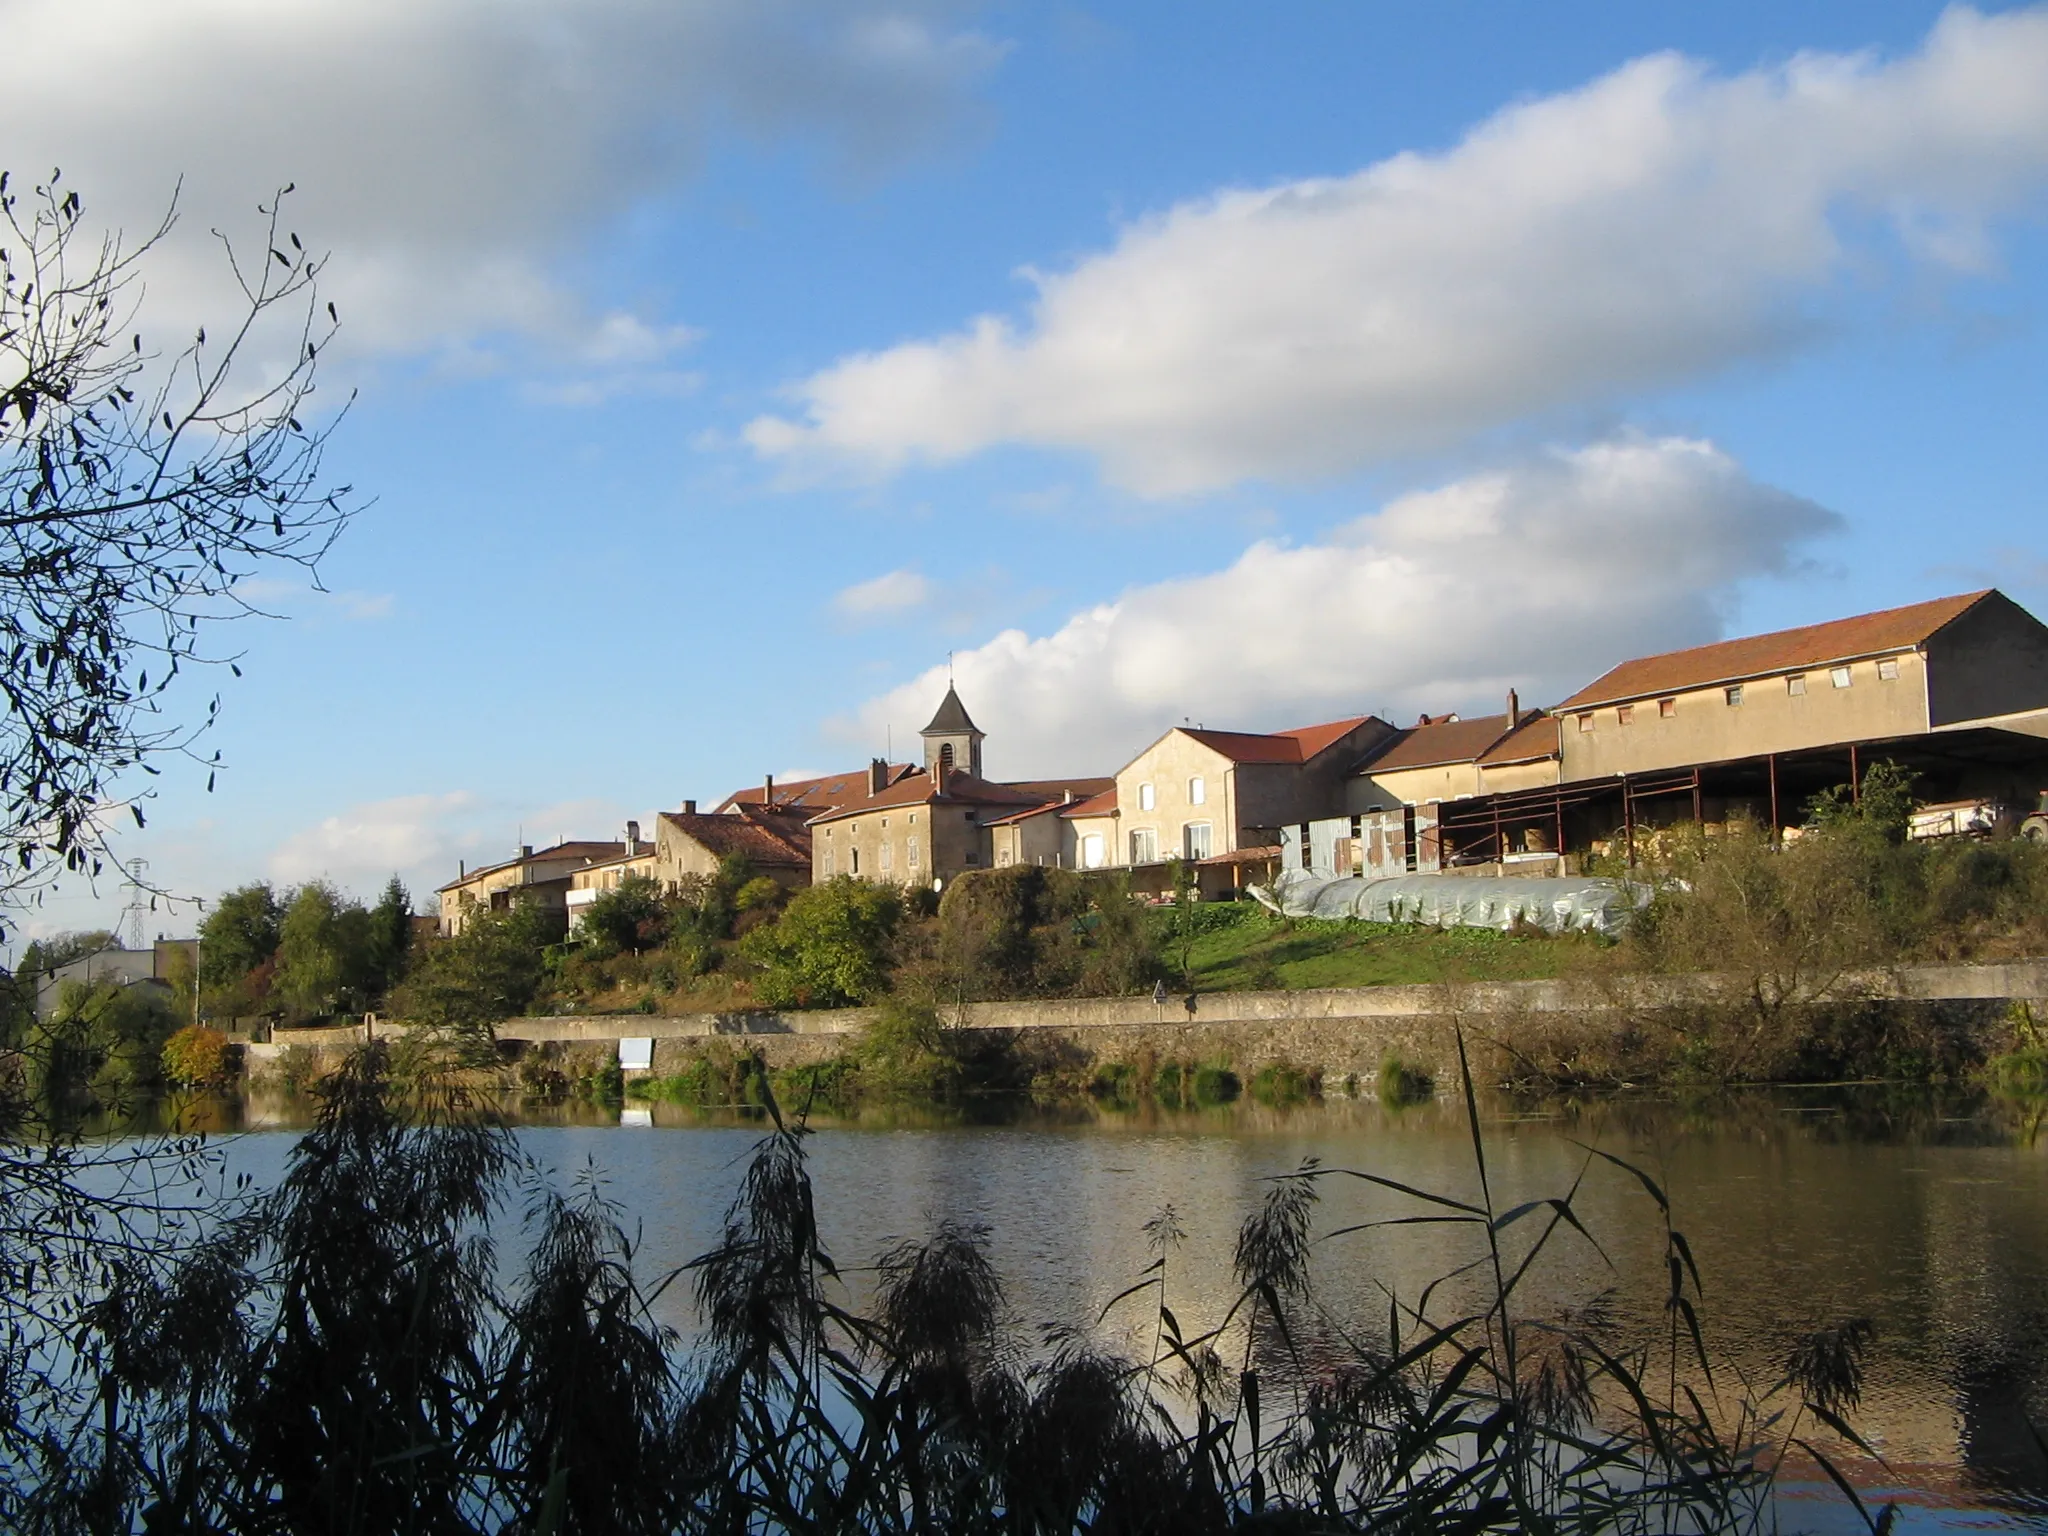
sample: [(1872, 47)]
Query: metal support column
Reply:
[(1855, 778), (1500, 841), (1772, 760), (1628, 821), (1695, 797)]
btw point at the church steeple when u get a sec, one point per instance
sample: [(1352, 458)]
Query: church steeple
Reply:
[(952, 740)]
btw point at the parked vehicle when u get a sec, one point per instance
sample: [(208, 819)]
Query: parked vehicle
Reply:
[(1983, 817)]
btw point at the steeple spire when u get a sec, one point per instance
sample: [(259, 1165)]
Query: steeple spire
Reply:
[(952, 740)]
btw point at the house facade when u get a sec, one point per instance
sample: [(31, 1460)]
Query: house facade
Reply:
[(1196, 794), (542, 876), (934, 823), (689, 843)]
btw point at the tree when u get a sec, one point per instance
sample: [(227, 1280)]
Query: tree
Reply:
[(489, 971), (831, 946), (630, 917), (137, 490), (239, 934), (325, 959), (390, 935)]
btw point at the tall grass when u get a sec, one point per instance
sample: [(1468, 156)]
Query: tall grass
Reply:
[(345, 1354)]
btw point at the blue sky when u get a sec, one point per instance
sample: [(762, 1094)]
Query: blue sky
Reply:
[(722, 367)]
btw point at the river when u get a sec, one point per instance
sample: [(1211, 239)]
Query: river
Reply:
[(1928, 1217)]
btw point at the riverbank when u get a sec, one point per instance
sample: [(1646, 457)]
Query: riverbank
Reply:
[(1921, 1023)]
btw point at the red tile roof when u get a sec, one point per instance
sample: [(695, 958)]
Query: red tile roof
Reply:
[(580, 852), (761, 845), (826, 792), (1786, 650), (1442, 741), (916, 788), (1295, 746), (1056, 789), (1103, 804), (1535, 739)]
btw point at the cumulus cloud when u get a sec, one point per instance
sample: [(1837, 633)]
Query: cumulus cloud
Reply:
[(1538, 576), (1657, 223), (412, 834), (882, 597), (451, 153)]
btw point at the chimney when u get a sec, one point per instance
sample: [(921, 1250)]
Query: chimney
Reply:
[(768, 792), (1514, 709), (526, 850), (689, 807), (632, 837), (462, 869), (878, 776), (1066, 797)]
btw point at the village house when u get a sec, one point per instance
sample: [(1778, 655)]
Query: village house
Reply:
[(541, 876), (593, 880), (1092, 829), (774, 842), (1220, 798), (813, 796), (933, 823)]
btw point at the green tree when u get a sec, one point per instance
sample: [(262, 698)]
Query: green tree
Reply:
[(489, 971), (106, 1038), (830, 947), (390, 936), (629, 918), (239, 934), (325, 959)]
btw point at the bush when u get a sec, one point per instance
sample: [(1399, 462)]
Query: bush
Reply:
[(830, 947), (1401, 1082), (196, 1056), (1282, 1083), (489, 971), (630, 918)]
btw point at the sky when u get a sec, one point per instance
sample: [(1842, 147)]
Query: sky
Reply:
[(721, 372)]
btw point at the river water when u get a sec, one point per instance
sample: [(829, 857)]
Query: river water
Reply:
[(1930, 1218)]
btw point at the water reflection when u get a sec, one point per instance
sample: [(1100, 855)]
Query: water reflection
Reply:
[(1927, 1215)]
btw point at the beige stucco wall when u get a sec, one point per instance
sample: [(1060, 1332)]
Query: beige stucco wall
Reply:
[(606, 877), (1081, 828), (1704, 728), (544, 880), (1508, 778), (1168, 765), (1040, 839), (1411, 786), (677, 854), (904, 845)]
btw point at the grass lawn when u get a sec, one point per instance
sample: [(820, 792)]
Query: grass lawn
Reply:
[(1240, 947)]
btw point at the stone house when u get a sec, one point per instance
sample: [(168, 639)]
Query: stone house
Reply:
[(542, 876), (929, 825), (774, 842), (1196, 794), (1970, 662)]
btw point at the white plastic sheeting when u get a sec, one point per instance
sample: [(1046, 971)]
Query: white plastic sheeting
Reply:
[(1585, 905)]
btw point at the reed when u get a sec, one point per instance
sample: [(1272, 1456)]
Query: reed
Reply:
[(345, 1353)]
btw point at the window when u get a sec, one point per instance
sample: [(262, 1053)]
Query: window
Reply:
[(946, 757), (1198, 792), (885, 823), (828, 861), (1839, 676), (911, 856), (1733, 694), (1144, 846), (1146, 798), (1194, 839), (1091, 851), (913, 818), (853, 861), (1307, 852), (1888, 670), (1796, 684), (888, 855), (1666, 708), (1625, 715), (1585, 722)]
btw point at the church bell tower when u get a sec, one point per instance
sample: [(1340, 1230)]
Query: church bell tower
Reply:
[(951, 740)]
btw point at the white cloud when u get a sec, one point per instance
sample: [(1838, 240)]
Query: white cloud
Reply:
[(293, 599), (413, 835), (1539, 576), (1655, 224), (883, 597), (451, 153)]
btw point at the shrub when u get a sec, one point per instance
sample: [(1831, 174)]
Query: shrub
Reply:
[(1282, 1083), (196, 1056), (830, 947), (1401, 1082)]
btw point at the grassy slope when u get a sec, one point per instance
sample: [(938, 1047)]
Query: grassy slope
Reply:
[(1250, 950)]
